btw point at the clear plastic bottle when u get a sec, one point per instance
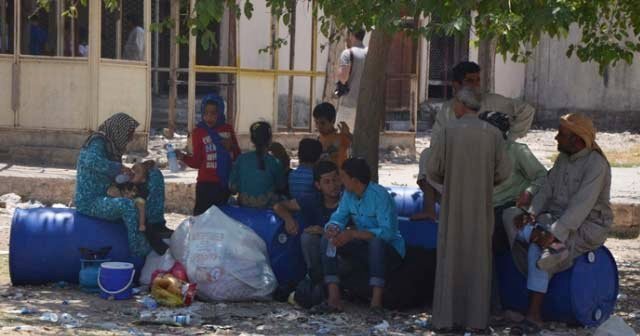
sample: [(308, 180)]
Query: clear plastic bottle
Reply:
[(331, 249), (122, 178), (172, 158), (180, 320)]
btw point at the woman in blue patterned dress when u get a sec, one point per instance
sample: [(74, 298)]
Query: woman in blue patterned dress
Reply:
[(98, 164)]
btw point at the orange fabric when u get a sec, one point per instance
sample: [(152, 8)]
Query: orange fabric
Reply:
[(336, 147)]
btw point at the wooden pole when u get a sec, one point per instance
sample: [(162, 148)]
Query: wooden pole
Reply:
[(4, 45), (146, 23), (314, 53), (191, 100), (174, 59), (59, 28), (95, 27), (292, 57), (119, 31)]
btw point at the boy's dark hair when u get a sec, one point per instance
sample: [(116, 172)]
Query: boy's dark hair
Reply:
[(261, 138), (325, 111), (464, 68), (358, 33), (357, 168), (309, 150), (323, 167)]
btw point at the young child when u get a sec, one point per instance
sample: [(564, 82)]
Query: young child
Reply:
[(136, 189), (215, 147), (257, 175), (301, 179), (335, 145)]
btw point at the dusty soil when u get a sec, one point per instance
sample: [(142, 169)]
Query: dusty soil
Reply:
[(100, 317)]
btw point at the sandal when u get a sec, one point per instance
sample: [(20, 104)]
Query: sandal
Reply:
[(526, 327), (325, 308)]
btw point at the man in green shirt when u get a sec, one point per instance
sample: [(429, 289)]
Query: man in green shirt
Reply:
[(527, 176)]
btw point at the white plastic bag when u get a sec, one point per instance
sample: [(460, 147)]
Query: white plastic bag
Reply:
[(224, 257), (614, 326), (155, 262)]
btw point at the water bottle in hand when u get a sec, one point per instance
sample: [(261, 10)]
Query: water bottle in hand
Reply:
[(122, 178), (173, 160), (331, 249)]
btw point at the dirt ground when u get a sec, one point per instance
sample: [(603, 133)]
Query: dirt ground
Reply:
[(100, 317)]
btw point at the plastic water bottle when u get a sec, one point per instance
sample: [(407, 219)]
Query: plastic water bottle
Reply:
[(122, 178), (149, 302), (331, 249), (167, 318), (49, 317), (173, 160)]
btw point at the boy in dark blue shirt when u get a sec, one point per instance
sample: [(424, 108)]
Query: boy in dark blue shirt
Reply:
[(315, 209)]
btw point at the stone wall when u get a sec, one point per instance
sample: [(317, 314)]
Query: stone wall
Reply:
[(556, 85)]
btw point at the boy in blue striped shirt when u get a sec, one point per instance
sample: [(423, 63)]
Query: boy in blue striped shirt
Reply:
[(301, 179)]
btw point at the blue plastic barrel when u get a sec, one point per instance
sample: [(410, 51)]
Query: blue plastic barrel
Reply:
[(419, 233), (284, 251), (585, 294), (44, 244), (409, 200)]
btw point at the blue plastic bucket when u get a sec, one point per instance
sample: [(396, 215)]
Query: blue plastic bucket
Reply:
[(115, 280)]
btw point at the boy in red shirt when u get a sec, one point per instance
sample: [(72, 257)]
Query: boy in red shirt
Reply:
[(215, 147)]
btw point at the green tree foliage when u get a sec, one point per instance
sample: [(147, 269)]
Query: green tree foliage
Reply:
[(610, 28)]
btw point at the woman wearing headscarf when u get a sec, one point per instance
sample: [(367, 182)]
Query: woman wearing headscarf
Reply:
[(99, 162)]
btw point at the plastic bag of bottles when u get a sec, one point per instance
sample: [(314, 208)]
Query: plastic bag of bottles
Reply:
[(225, 258)]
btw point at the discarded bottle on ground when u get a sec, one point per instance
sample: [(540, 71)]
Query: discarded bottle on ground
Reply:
[(179, 320)]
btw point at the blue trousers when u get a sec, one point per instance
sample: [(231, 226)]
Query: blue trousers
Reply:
[(537, 279), (376, 253), (311, 252)]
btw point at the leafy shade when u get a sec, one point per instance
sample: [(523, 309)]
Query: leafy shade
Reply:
[(610, 29)]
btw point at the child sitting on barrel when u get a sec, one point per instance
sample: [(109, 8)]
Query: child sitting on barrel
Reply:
[(135, 188)]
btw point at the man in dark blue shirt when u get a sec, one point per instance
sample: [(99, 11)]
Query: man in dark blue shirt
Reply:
[(315, 211)]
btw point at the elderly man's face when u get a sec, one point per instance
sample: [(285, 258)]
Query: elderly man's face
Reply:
[(471, 80), (459, 109), (566, 141)]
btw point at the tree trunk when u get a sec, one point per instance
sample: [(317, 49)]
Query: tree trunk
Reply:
[(487, 62), (371, 101)]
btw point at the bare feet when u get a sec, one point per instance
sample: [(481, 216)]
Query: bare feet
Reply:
[(142, 228), (334, 300)]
